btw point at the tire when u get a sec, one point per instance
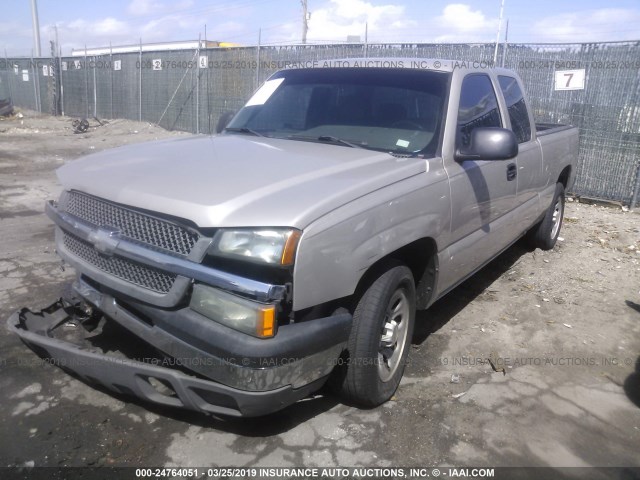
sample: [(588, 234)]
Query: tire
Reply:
[(545, 235), (380, 339)]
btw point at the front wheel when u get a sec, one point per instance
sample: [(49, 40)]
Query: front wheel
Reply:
[(545, 234), (380, 339)]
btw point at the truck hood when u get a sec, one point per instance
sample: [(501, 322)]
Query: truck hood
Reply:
[(236, 180)]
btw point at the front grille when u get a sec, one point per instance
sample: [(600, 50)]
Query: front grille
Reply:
[(133, 225), (133, 272)]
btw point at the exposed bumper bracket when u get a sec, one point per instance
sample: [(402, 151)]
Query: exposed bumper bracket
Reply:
[(160, 385)]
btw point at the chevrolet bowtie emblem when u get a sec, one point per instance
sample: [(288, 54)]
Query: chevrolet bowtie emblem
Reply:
[(105, 240)]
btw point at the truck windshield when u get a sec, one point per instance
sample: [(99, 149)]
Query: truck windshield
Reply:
[(393, 110)]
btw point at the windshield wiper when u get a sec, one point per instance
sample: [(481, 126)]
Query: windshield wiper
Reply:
[(244, 130), (325, 138), (329, 138)]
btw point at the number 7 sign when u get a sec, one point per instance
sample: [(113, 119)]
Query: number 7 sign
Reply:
[(570, 79)]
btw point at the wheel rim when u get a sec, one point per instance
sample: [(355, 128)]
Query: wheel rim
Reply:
[(394, 335), (556, 219)]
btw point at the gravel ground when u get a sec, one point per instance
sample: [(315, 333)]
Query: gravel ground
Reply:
[(564, 324)]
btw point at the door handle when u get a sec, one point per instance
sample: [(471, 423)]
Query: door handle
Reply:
[(512, 171)]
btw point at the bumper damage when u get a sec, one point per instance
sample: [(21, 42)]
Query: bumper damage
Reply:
[(113, 349)]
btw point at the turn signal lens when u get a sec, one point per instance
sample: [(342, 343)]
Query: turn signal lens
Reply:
[(244, 315), (266, 322), (290, 246)]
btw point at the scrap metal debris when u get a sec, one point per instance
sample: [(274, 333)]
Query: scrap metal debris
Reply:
[(80, 126), (6, 107), (494, 361)]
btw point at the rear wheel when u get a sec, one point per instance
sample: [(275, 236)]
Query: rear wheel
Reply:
[(380, 339), (545, 235)]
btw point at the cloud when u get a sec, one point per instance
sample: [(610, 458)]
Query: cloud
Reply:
[(16, 39), (228, 27), (608, 24), (331, 21), (149, 20), (156, 20), (154, 8), (110, 26), (142, 7), (79, 32), (459, 23), (391, 22), (341, 18)]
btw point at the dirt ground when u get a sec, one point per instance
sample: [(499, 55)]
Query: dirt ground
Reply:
[(565, 324)]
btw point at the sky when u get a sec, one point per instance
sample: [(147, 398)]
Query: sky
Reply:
[(121, 22)]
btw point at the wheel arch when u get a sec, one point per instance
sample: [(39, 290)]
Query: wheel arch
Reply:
[(564, 177), (420, 256)]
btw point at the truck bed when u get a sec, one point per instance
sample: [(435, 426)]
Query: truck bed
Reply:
[(547, 128)]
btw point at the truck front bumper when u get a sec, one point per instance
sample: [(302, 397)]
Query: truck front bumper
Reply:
[(262, 376)]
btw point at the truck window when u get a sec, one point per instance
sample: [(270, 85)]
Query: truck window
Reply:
[(517, 108), (478, 107)]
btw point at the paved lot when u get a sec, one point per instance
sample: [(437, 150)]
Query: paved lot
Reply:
[(565, 324)]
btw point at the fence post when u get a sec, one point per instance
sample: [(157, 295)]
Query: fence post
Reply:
[(140, 85), (38, 86), (55, 76), (198, 87), (111, 68), (61, 82), (258, 59), (366, 40), (86, 84), (636, 189), (95, 90), (506, 45), (35, 87), (6, 64)]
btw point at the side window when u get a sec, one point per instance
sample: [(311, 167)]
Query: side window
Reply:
[(478, 107), (517, 108)]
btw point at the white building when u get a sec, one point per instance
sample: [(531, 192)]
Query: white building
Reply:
[(150, 47)]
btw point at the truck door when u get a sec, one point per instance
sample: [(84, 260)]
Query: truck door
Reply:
[(483, 192), (530, 176)]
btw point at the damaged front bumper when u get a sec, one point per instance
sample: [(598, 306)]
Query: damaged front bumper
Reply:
[(260, 377)]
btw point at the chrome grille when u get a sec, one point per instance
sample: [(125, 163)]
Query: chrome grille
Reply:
[(123, 268), (133, 225)]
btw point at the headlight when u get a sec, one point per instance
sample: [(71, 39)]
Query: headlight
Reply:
[(254, 318), (275, 246)]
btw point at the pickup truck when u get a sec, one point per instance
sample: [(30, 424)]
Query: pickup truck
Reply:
[(293, 249)]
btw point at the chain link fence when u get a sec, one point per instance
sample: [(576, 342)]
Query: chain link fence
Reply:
[(190, 89)]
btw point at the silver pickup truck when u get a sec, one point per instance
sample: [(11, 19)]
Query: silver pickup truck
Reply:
[(293, 249)]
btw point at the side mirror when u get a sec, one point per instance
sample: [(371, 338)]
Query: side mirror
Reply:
[(224, 120), (489, 143)]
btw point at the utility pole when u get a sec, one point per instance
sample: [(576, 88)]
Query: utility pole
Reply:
[(305, 21), (36, 28)]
